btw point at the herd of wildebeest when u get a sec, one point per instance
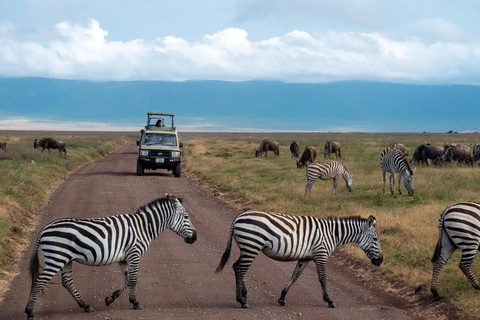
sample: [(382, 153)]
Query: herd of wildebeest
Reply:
[(439, 155)]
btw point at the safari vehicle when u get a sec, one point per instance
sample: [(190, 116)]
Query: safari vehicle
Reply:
[(158, 147)]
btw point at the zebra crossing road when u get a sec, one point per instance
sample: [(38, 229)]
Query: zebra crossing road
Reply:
[(177, 280)]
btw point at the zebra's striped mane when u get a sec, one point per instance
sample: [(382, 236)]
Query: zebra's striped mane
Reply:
[(408, 165), (152, 203), (347, 219)]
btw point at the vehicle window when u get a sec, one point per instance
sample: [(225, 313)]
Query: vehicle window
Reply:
[(162, 139)]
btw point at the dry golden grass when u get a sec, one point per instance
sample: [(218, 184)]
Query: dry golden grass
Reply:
[(407, 225)]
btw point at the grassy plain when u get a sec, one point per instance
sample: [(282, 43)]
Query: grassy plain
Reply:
[(407, 225), (27, 176)]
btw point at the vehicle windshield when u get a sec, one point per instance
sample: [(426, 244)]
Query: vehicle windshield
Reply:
[(161, 139)]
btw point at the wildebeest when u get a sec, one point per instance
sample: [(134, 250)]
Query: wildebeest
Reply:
[(295, 149), (308, 156), (3, 146), (401, 147), (332, 147), (268, 145), (458, 153), (50, 143), (427, 151)]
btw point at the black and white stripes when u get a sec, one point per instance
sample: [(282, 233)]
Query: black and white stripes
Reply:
[(458, 228), (296, 238), (392, 160), (102, 241), (326, 171)]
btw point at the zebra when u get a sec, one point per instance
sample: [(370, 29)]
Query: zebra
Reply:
[(285, 237), (458, 227), (392, 160), (101, 241), (328, 170)]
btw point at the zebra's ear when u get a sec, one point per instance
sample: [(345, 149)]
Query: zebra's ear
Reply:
[(413, 171), (171, 198), (371, 221)]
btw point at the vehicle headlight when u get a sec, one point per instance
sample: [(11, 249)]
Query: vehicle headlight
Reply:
[(175, 154), (144, 153)]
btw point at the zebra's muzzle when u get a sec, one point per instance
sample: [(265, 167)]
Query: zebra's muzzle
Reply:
[(411, 192), (193, 238), (378, 261)]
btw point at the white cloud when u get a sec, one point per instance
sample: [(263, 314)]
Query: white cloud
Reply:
[(440, 29), (83, 52)]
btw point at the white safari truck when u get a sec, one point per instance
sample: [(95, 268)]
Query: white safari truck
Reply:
[(158, 147)]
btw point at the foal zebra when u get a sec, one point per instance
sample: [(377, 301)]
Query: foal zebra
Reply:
[(392, 160), (328, 170), (458, 227), (296, 238), (102, 241)]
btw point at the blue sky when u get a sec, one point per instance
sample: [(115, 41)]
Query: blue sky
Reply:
[(428, 42)]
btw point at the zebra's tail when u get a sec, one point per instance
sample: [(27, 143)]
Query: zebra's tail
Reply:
[(438, 248), (226, 254), (35, 262)]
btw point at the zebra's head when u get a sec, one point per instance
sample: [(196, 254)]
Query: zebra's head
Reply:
[(180, 221), (408, 181), (349, 181), (348, 178), (370, 243)]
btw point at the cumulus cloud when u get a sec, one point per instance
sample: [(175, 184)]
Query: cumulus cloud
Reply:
[(84, 52)]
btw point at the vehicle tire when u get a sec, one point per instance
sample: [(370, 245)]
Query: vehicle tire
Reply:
[(140, 169), (178, 170)]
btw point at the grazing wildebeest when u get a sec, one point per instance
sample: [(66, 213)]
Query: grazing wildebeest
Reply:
[(3, 146), (295, 149), (332, 147), (460, 154), (50, 143), (308, 156), (401, 147), (427, 151), (268, 145)]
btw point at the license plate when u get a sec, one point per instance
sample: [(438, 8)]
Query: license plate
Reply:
[(159, 160)]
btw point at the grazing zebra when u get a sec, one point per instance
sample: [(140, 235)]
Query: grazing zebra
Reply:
[(328, 170), (458, 227), (296, 238), (102, 241), (392, 160)]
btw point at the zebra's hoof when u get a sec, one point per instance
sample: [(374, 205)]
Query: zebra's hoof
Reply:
[(137, 306), (281, 302), (89, 309), (109, 301), (332, 305), (245, 306)]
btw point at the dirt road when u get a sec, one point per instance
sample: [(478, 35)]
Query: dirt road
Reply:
[(176, 280)]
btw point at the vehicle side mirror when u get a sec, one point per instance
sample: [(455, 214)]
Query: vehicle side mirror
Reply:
[(181, 145)]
